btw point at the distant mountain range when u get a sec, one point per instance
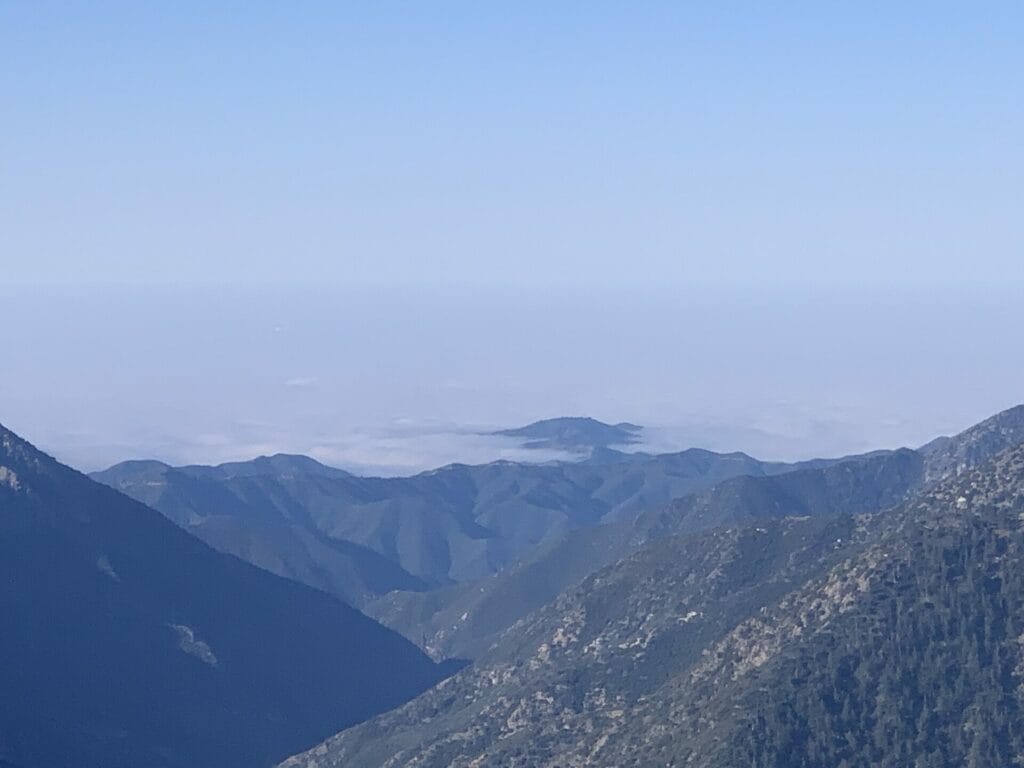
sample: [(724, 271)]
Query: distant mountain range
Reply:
[(465, 619), (363, 537), (127, 642), (803, 629), (454, 556)]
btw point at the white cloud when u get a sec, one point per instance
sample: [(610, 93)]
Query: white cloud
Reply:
[(408, 453), (302, 382)]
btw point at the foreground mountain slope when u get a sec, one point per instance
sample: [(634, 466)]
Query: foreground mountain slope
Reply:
[(127, 642), (908, 653), (555, 683), (890, 639), (361, 537)]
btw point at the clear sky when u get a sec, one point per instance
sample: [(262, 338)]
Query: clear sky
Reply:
[(523, 142), (490, 199)]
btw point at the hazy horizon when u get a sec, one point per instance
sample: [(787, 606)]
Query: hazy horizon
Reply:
[(364, 231), (400, 381)]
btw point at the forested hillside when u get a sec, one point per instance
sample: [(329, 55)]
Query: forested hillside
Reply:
[(886, 639)]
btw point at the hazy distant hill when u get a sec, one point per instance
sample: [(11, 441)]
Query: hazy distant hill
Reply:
[(127, 642), (262, 511), (888, 639), (574, 434), (361, 537)]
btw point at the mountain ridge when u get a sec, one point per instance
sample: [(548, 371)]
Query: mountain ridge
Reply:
[(540, 528), (463, 620), (449, 525)]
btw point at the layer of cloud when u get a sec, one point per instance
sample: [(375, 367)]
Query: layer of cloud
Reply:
[(407, 446)]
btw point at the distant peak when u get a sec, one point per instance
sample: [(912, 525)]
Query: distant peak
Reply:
[(574, 433), (579, 420), (134, 470), (276, 464), (141, 464), (286, 459)]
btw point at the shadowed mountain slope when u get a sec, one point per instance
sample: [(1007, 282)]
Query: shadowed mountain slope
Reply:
[(127, 642)]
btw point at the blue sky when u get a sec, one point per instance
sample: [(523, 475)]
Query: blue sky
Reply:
[(499, 143), (793, 228)]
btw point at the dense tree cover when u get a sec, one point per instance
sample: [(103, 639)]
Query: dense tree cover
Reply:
[(926, 672)]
